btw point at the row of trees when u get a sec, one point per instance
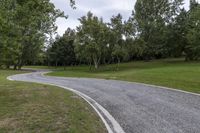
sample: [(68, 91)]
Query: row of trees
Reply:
[(156, 29), (95, 42)]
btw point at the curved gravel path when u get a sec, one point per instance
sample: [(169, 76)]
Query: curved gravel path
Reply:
[(138, 108)]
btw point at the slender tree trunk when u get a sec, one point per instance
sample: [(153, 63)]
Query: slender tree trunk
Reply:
[(90, 66), (7, 66), (19, 64), (15, 67), (48, 64), (118, 62), (56, 63), (104, 61), (96, 65), (96, 62), (186, 58), (64, 66)]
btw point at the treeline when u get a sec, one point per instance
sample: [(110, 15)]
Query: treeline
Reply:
[(156, 29)]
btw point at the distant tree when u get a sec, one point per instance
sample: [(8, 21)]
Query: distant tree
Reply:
[(152, 18), (130, 27), (90, 42), (118, 40), (119, 53), (135, 48), (177, 32), (134, 45), (192, 50), (61, 52)]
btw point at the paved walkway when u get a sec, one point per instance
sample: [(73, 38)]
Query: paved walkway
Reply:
[(136, 108)]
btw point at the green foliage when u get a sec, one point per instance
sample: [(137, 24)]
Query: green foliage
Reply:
[(152, 18), (177, 32), (24, 25), (156, 29), (193, 36), (118, 40), (91, 39), (119, 53), (193, 4), (62, 50), (135, 48)]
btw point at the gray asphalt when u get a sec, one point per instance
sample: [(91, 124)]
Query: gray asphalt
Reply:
[(137, 108)]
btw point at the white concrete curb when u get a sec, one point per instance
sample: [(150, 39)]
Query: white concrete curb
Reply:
[(111, 124), (112, 127)]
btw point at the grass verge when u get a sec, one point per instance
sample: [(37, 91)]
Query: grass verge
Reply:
[(29, 107), (174, 73)]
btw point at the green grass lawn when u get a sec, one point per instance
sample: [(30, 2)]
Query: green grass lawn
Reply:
[(174, 73), (28, 107)]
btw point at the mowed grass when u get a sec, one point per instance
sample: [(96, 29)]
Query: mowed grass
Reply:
[(174, 73), (29, 107)]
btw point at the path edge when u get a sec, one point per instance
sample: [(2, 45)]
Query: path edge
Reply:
[(115, 128)]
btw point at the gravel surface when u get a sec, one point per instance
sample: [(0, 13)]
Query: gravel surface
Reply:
[(137, 108)]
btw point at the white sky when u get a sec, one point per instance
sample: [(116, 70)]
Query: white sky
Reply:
[(101, 8)]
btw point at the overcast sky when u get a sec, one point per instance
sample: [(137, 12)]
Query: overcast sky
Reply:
[(101, 8)]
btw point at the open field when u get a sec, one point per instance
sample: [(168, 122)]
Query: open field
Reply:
[(28, 107), (174, 73)]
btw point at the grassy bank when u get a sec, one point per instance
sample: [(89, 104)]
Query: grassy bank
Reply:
[(28, 107), (174, 73)]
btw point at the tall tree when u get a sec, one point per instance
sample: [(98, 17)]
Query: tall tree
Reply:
[(62, 50), (90, 42), (177, 32), (193, 36), (152, 18), (25, 24), (117, 43), (135, 46)]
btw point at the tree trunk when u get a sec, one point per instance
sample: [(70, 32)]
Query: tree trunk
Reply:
[(118, 59), (90, 66), (19, 67), (96, 65), (7, 66), (95, 60), (19, 64), (48, 63), (15, 67), (56, 63), (64, 66)]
